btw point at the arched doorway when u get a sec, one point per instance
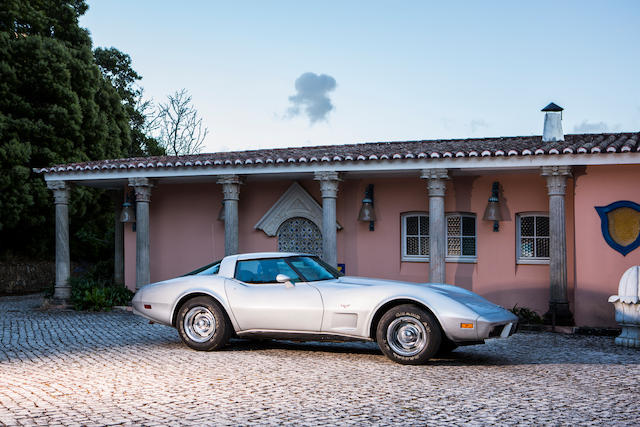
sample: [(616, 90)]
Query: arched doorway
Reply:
[(299, 235)]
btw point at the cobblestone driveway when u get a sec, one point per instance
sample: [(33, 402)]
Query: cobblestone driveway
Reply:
[(115, 368)]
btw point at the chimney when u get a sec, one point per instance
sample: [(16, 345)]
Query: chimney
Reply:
[(552, 123)]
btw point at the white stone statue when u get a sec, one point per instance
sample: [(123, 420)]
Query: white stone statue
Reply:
[(627, 304)]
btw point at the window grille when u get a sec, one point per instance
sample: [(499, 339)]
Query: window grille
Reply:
[(461, 237), (533, 238)]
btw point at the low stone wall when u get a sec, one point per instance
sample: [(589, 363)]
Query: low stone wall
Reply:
[(26, 277)]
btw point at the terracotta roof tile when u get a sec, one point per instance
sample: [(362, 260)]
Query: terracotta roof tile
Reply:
[(377, 151)]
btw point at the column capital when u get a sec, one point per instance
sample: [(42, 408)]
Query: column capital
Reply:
[(555, 171), (60, 192), (142, 187), (328, 183), (437, 173), (229, 179), (140, 182), (556, 179), (230, 186), (435, 181), (327, 176)]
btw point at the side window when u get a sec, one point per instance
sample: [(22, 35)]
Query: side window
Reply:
[(415, 236), (207, 270), (263, 270), (214, 269), (533, 238), (461, 236)]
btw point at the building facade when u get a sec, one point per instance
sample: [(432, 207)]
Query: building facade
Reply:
[(551, 250)]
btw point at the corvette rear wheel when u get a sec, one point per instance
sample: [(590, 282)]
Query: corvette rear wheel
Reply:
[(408, 334), (202, 324)]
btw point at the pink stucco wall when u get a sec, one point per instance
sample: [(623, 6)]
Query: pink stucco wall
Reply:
[(186, 234), (598, 266), (184, 231), (496, 275)]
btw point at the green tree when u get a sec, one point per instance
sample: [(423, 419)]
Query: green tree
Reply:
[(117, 69), (55, 107)]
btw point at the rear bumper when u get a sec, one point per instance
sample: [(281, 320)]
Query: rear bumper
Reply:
[(156, 312)]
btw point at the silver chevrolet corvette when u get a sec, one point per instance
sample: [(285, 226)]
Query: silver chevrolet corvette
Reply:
[(299, 297)]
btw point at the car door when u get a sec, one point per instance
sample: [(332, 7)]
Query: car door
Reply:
[(259, 302)]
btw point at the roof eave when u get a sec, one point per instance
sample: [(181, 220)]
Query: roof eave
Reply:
[(497, 163)]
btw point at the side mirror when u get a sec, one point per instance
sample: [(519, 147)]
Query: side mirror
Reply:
[(283, 278)]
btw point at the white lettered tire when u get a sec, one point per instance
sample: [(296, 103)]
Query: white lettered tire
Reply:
[(202, 324), (408, 334)]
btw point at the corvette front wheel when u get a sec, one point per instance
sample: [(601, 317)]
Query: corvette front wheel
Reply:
[(408, 334), (202, 324)]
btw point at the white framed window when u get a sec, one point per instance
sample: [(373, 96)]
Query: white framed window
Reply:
[(533, 238), (415, 236), (461, 237)]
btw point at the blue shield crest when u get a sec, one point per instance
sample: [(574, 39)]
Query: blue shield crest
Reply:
[(620, 223)]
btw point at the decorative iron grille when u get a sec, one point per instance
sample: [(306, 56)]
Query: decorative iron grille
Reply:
[(299, 235)]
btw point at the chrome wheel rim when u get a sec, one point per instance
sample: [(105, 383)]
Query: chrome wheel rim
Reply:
[(199, 324), (407, 336)]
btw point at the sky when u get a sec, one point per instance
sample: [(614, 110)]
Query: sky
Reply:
[(268, 74)]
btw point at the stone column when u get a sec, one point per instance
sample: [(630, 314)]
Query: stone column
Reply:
[(329, 188), (62, 291), (231, 195), (118, 238), (436, 184), (142, 187), (558, 302)]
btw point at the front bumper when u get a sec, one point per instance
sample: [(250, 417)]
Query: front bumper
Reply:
[(499, 325)]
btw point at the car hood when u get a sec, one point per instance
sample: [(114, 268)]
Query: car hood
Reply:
[(464, 296), (369, 281)]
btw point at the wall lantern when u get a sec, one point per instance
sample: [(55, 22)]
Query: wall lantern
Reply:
[(367, 213), (492, 212), (128, 214)]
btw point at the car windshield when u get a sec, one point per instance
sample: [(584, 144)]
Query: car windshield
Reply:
[(313, 269), (207, 270)]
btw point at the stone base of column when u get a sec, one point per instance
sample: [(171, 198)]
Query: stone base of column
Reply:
[(57, 304), (559, 314)]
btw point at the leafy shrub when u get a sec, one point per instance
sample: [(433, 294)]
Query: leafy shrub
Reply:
[(526, 315), (97, 295), (101, 271), (49, 290), (119, 295), (95, 299)]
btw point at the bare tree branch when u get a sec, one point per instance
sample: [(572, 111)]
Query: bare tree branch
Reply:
[(178, 126)]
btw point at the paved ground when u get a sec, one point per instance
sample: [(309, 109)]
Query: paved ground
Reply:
[(115, 368)]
